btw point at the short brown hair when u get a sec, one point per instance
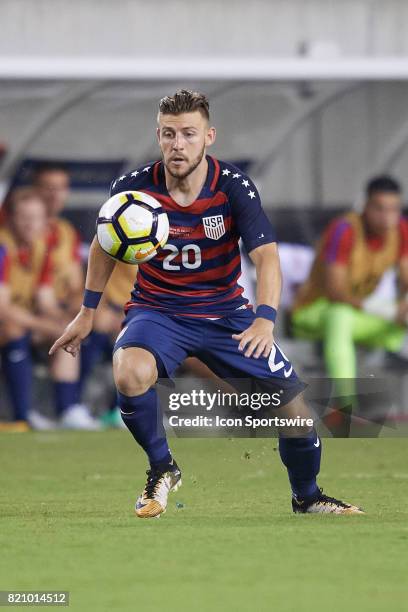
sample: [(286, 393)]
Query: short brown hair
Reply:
[(46, 167), (185, 101)]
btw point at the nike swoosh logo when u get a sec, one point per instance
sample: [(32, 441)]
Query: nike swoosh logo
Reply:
[(121, 333), (317, 443)]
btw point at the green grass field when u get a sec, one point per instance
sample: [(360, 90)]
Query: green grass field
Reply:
[(228, 541)]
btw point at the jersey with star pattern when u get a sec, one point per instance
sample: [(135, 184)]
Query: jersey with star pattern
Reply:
[(196, 274)]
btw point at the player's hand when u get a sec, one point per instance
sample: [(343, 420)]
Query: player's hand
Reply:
[(74, 333), (257, 340)]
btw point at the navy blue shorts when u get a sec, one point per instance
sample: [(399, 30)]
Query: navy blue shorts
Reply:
[(171, 339)]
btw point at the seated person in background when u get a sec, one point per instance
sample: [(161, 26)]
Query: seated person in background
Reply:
[(25, 275), (52, 182), (354, 253)]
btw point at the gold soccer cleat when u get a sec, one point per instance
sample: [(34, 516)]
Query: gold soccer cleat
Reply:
[(153, 501)]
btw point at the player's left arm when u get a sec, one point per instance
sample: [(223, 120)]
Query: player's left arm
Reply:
[(259, 239)]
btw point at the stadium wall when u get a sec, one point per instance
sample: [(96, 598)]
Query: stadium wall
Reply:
[(307, 144), (82, 27)]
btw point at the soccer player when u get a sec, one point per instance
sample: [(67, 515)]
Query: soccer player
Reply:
[(187, 301), (334, 303), (25, 280)]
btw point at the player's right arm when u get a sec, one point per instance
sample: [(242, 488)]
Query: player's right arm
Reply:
[(100, 267)]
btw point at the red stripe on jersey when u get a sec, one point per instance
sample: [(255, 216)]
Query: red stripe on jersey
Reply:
[(222, 249), (183, 279), (143, 283), (198, 316), (197, 207), (156, 173), (140, 283), (163, 199), (196, 233), (216, 173), (184, 231), (238, 291), (130, 305)]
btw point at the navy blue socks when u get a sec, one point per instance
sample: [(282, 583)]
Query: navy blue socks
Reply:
[(66, 395), (142, 416), (17, 369), (301, 456)]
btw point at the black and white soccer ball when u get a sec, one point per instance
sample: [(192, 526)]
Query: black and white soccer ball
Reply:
[(132, 227)]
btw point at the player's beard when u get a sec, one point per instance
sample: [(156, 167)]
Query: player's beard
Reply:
[(180, 176)]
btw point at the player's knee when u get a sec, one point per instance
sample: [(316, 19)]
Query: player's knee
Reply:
[(134, 373), (134, 381)]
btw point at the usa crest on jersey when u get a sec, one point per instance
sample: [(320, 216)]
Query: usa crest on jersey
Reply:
[(214, 226)]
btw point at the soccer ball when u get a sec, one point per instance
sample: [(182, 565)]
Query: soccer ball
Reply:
[(132, 227)]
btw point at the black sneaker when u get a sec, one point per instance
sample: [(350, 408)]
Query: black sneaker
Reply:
[(153, 500), (323, 504)]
